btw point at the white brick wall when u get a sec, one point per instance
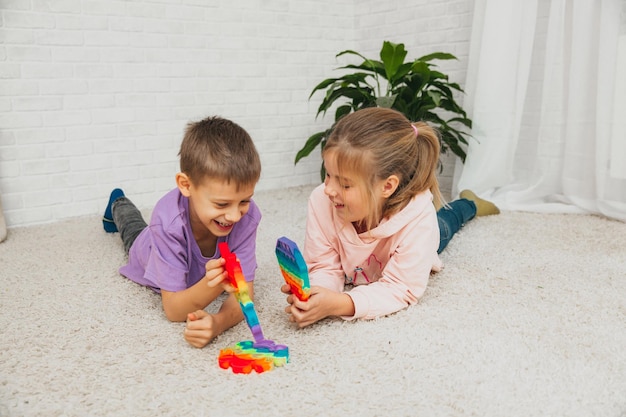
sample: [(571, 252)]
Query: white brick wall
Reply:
[(95, 94)]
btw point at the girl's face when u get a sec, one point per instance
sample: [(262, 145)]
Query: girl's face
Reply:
[(215, 206), (345, 192)]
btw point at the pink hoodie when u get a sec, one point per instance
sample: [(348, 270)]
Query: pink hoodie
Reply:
[(395, 258)]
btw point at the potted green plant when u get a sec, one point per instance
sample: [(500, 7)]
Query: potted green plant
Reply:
[(414, 88)]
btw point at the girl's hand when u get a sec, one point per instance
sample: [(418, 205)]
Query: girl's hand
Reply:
[(216, 274), (200, 328), (322, 303), (286, 289)]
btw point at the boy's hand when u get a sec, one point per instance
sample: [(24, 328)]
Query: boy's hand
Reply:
[(216, 274), (200, 329)]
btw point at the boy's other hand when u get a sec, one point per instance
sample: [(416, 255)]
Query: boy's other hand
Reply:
[(200, 329)]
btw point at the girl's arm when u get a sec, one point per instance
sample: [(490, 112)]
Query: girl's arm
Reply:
[(405, 275)]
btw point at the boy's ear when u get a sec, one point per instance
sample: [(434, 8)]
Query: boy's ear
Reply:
[(184, 183), (390, 185)]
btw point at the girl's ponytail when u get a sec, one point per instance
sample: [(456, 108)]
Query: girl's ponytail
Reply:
[(429, 148), (421, 173)]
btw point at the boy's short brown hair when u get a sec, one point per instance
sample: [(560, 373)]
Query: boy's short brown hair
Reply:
[(220, 149)]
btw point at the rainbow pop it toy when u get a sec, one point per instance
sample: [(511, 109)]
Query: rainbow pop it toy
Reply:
[(261, 354), (293, 268)]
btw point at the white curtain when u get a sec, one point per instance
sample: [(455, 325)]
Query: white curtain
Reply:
[(546, 89)]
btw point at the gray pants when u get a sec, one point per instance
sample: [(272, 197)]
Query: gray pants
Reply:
[(128, 220)]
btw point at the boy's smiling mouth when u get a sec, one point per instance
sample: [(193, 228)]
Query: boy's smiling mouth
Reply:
[(224, 226)]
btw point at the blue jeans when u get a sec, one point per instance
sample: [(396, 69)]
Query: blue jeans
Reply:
[(452, 218)]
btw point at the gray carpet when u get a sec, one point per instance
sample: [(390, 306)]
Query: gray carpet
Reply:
[(528, 318)]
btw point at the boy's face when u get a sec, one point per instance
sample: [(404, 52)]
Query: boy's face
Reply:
[(216, 205)]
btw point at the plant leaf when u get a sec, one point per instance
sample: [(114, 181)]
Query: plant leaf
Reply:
[(369, 65), (374, 66), (342, 111), (351, 52), (356, 94), (386, 101), (435, 96), (392, 55), (310, 144), (437, 55), (464, 120), (322, 85)]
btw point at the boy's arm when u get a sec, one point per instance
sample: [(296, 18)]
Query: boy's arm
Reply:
[(202, 327), (230, 312), (177, 305)]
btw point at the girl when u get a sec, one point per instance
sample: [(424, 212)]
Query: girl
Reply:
[(372, 224)]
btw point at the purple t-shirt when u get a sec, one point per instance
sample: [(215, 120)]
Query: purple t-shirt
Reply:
[(166, 256)]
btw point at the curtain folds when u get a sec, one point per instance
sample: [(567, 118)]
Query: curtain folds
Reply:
[(546, 89)]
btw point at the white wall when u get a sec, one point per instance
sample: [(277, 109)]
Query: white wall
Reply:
[(95, 94)]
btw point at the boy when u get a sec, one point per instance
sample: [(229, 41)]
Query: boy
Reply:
[(176, 255)]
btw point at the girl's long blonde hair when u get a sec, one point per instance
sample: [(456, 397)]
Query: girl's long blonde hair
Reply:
[(374, 143)]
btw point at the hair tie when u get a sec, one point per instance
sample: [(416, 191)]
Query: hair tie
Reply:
[(415, 129)]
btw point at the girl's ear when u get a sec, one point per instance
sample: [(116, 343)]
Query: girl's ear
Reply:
[(390, 185), (184, 183)]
